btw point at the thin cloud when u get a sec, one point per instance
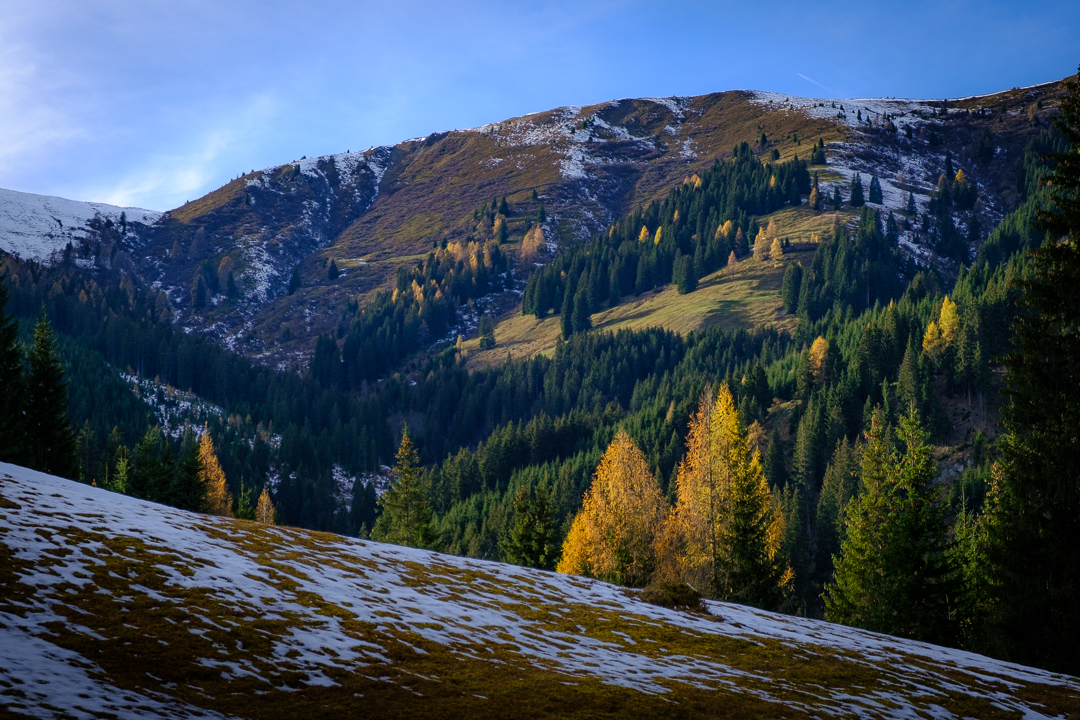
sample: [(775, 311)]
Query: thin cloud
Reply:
[(166, 181)]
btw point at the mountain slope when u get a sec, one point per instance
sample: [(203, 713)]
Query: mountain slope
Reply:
[(39, 227), (114, 607), (586, 166)]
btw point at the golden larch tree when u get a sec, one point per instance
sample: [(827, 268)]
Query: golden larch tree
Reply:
[(217, 499), (613, 536), (819, 359), (724, 535), (732, 263), (761, 245), (264, 509), (949, 321), (776, 251)]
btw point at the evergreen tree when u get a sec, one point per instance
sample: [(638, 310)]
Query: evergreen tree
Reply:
[(875, 190), (245, 510), (894, 573), (789, 292), (1034, 522), (858, 199), (188, 488), (534, 539), (911, 204), (13, 438), (406, 517), (294, 280), (581, 317), (487, 332), (332, 272), (51, 439), (684, 274)]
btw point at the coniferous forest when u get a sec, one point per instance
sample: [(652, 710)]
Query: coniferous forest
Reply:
[(794, 471)]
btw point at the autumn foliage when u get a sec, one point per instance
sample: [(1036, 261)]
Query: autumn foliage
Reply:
[(613, 536), (217, 500), (723, 536)]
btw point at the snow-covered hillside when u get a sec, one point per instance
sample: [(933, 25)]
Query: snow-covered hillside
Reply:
[(35, 227), (114, 607)]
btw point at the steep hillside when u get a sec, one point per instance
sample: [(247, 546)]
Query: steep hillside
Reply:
[(227, 260), (113, 607), (39, 227)]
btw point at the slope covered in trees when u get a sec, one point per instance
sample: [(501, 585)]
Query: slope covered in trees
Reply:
[(502, 459)]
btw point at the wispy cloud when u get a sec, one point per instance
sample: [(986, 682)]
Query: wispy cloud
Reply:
[(166, 181), (31, 121)]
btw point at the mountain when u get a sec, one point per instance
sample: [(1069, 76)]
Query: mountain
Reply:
[(40, 227), (116, 607), (586, 166)]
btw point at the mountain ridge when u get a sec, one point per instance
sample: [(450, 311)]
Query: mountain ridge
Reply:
[(587, 166)]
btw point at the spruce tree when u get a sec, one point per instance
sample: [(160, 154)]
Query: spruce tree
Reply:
[(534, 539), (406, 517), (1034, 523), (13, 437), (188, 490), (51, 439), (857, 197), (875, 190), (789, 292), (894, 573)]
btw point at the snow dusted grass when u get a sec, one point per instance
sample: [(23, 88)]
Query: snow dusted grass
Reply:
[(113, 607), (35, 227)]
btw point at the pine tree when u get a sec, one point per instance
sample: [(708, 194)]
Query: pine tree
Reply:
[(51, 439), (789, 292), (857, 197), (406, 517), (332, 272), (1034, 521), (875, 190), (487, 332), (13, 437), (188, 489), (911, 204), (217, 500), (894, 573), (294, 280), (732, 263), (534, 539), (613, 536)]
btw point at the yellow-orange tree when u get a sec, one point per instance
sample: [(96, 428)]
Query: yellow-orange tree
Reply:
[(613, 535), (217, 500), (724, 534)]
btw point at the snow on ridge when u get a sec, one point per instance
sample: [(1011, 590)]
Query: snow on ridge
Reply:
[(676, 104), (34, 227), (903, 110)]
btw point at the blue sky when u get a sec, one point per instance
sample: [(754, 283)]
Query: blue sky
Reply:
[(153, 103)]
